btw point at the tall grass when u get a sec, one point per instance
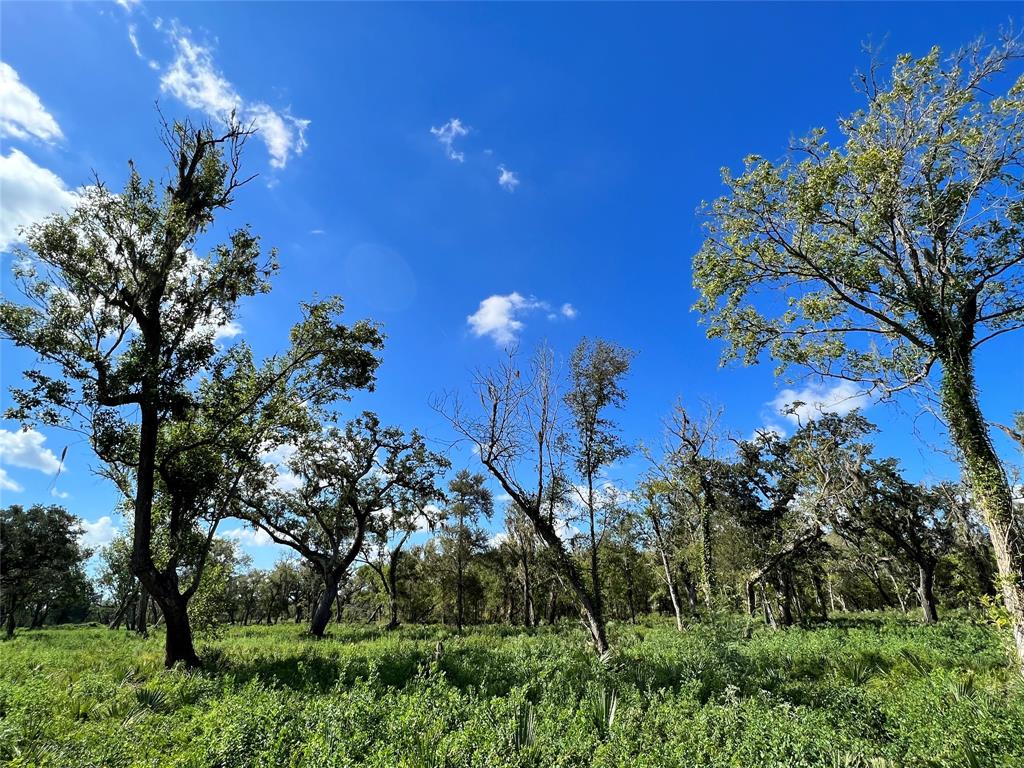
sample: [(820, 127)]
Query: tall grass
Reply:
[(863, 691)]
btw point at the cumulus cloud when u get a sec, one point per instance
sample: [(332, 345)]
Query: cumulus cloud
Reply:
[(497, 317), (24, 448), (193, 79), (253, 537), (500, 316), (447, 135), (507, 179), (22, 114), (97, 534), (30, 193), (800, 406)]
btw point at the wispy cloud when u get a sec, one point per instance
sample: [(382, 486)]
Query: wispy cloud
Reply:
[(7, 484), (194, 79), (447, 134), (22, 114), (569, 311), (507, 179)]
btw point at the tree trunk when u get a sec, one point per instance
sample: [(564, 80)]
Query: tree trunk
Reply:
[(819, 595), (593, 603), (10, 624), (178, 647), (118, 617), (925, 593), (460, 607), (751, 600), (987, 481), (707, 557), (142, 614), (672, 593), (786, 599), (393, 592), (529, 616), (322, 614)]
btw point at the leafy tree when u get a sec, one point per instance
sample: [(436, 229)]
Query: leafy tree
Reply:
[(596, 371), (124, 301), (348, 478), (890, 255), (409, 511), (39, 555), (469, 500)]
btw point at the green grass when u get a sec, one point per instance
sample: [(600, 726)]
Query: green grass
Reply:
[(856, 692)]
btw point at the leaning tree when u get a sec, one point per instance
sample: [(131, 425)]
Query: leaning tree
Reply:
[(890, 257), (124, 300)]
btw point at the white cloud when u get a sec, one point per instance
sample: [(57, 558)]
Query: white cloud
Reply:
[(6, 484), (97, 534), (277, 459), (30, 193), (59, 494), (497, 316), (24, 448), (193, 78), (815, 399), (227, 330), (497, 539), (253, 537), (569, 311), (129, 5), (134, 40), (317, 232), (507, 179), (447, 134), (22, 114)]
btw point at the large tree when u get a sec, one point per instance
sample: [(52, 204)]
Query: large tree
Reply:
[(125, 295), (890, 256)]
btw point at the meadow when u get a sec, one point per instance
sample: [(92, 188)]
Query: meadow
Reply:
[(863, 690)]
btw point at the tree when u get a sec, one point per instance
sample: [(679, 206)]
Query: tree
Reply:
[(872, 495), (899, 252), (125, 306), (408, 511), (519, 440), (469, 500), (347, 477), (687, 477), (596, 371), (39, 552)]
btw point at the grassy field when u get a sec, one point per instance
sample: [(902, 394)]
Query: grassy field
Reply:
[(871, 691)]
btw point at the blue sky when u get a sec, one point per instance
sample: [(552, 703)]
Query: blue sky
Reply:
[(536, 168)]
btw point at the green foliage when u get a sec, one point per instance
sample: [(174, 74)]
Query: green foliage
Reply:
[(875, 690)]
